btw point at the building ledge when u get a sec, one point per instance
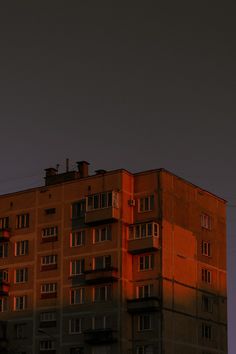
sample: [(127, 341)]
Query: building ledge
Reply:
[(105, 275), (99, 336), (144, 304)]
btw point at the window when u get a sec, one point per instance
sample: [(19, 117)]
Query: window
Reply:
[(77, 296), (206, 221), (22, 221), (101, 234), (49, 232), (19, 303), (144, 322), (48, 288), (207, 304), (102, 293), (144, 349), (206, 331), (77, 267), (138, 231), (103, 262), (206, 275), (3, 249), (102, 200), (21, 275), (146, 203), (4, 275), (47, 344), (76, 325), (101, 322), (21, 330), (77, 238), (4, 223), (78, 209), (146, 262), (77, 350), (206, 248), (49, 259), (3, 304), (21, 248), (144, 291), (50, 211), (49, 316)]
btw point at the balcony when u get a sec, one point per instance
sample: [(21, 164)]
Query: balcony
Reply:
[(4, 288), (143, 304), (102, 207), (147, 244), (4, 235), (97, 216), (98, 276), (99, 336)]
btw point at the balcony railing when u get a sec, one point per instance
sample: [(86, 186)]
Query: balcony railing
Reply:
[(99, 336), (100, 215), (143, 304), (147, 244), (104, 275), (4, 235)]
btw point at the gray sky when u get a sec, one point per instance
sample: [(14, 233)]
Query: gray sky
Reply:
[(130, 84)]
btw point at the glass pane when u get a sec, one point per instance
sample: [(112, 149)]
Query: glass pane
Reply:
[(103, 200)]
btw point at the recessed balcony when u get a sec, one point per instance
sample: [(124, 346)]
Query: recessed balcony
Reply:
[(4, 235), (143, 304), (98, 276), (4, 288), (99, 336)]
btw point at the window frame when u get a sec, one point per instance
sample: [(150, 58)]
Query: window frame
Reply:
[(77, 294), (103, 200), (206, 248), (146, 203), (141, 290), (98, 236), (75, 236), (23, 249), (20, 303), (77, 267), (4, 223), (49, 232), (206, 221), (48, 288), (47, 257), (4, 248), (145, 265), (4, 304), (206, 276), (22, 221), (21, 275), (105, 259), (73, 325), (98, 297), (142, 322)]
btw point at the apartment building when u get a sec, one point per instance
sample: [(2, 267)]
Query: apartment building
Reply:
[(113, 262)]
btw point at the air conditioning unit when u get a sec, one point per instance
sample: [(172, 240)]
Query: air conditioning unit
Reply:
[(131, 202)]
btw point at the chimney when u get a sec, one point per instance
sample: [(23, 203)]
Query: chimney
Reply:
[(100, 172), (83, 168), (51, 171)]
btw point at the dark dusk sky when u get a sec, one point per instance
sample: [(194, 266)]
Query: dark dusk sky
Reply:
[(132, 84)]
